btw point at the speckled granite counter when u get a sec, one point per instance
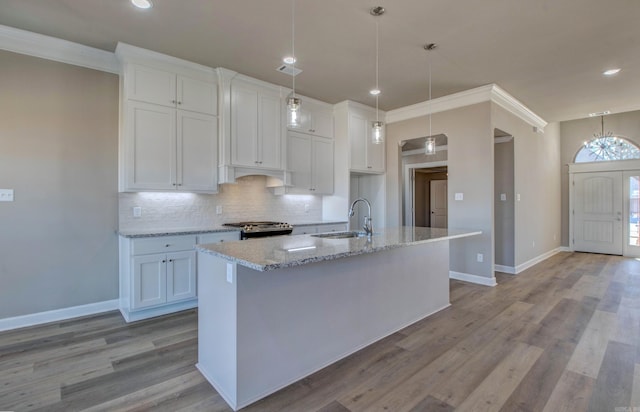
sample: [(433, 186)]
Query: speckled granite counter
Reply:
[(286, 251), (134, 233)]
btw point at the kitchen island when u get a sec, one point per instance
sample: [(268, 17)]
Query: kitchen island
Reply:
[(274, 310)]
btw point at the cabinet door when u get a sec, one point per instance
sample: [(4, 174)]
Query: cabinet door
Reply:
[(322, 122), (375, 155), (299, 160), (244, 125), (197, 96), (151, 85), (181, 276), (151, 147), (149, 281), (269, 131), (197, 152), (322, 166), (358, 133)]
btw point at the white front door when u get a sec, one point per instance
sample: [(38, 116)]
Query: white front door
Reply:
[(597, 212), (438, 195)]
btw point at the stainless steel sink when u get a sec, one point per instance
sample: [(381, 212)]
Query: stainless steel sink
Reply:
[(339, 235)]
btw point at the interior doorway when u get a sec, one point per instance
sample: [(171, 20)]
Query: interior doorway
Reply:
[(504, 202), (426, 200)]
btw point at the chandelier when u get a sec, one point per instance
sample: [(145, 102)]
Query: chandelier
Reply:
[(606, 146)]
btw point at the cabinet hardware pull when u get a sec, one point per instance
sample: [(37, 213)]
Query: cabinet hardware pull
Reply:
[(173, 101), (368, 167), (164, 261), (170, 260), (179, 102), (167, 245), (173, 184)]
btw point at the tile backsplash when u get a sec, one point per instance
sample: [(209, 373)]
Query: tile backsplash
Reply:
[(248, 199)]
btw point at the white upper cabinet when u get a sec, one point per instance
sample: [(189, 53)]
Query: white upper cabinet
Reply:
[(165, 88), (365, 156), (310, 161), (315, 118), (256, 126), (169, 128)]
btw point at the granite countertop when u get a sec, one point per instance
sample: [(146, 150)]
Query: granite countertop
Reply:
[(133, 233), (277, 252)]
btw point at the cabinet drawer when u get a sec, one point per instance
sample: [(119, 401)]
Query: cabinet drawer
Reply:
[(218, 237), (162, 244)]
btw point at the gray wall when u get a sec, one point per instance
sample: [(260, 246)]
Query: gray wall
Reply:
[(58, 140), (470, 167), (536, 179), (504, 210), (575, 133)]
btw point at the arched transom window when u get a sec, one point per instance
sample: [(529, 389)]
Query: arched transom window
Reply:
[(607, 148)]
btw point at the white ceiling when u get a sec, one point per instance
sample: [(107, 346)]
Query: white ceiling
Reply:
[(549, 54)]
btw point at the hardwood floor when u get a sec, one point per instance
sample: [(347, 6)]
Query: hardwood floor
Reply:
[(562, 336)]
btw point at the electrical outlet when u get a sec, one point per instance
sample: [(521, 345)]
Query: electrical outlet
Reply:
[(306, 208), (459, 196), (6, 195), (503, 197), (480, 257), (137, 211), (518, 197), (219, 210)]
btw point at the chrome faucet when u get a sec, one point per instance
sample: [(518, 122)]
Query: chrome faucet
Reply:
[(368, 227)]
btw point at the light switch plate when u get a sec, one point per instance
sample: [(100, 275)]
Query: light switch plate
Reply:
[(6, 195), (229, 272), (137, 211), (218, 210), (459, 196), (503, 197), (518, 197)]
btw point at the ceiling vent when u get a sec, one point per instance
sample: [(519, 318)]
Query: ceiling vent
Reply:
[(289, 69)]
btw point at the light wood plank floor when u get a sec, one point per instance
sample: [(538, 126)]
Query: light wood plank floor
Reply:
[(562, 336)]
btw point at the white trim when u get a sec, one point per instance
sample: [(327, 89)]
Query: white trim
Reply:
[(612, 166), (421, 151), (137, 315), (57, 315), (503, 139), (51, 48), (526, 265), (489, 93), (408, 186), (504, 269), (467, 277)]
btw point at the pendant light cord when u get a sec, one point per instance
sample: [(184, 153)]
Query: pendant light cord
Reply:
[(293, 45), (430, 109), (377, 61)]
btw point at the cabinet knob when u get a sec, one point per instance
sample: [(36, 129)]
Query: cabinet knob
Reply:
[(164, 261), (170, 260), (173, 101), (167, 245), (179, 184), (179, 102), (173, 184), (368, 167)]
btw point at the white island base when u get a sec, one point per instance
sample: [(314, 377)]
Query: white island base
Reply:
[(261, 331)]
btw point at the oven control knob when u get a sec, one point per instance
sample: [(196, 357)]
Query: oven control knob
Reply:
[(247, 228)]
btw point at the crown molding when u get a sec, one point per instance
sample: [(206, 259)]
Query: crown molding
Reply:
[(489, 93), (126, 53), (51, 48)]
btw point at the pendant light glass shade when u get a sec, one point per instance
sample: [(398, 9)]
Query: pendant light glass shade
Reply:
[(377, 132), (430, 146), (293, 102), (293, 112)]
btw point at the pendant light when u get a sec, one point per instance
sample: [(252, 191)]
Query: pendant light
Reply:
[(293, 102), (430, 142), (377, 133)]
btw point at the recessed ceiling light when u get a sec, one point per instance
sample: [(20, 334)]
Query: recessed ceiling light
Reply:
[(289, 60), (142, 4), (611, 72), (374, 92)]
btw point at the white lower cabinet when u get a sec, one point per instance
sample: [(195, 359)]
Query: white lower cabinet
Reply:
[(158, 274)]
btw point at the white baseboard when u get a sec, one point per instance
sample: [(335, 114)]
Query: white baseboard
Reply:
[(564, 249), (57, 315), (466, 277), (526, 265), (505, 269)]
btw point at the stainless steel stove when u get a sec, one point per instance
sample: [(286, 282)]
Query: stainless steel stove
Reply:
[(262, 229)]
